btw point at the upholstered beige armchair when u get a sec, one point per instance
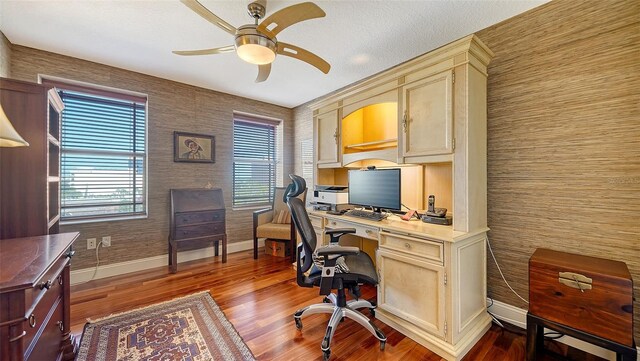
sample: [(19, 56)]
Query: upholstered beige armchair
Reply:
[(275, 222)]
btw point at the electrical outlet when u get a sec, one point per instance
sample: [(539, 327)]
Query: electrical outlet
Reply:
[(106, 241), (91, 243)]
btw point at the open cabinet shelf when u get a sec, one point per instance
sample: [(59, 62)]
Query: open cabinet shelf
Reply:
[(375, 145)]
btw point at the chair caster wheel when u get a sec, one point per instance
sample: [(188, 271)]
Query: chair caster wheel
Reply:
[(298, 323), (382, 345), (372, 312), (326, 355)]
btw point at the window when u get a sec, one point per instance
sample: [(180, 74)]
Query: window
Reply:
[(306, 151), (103, 163), (254, 161)]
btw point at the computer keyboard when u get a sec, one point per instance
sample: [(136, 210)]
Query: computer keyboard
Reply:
[(366, 214)]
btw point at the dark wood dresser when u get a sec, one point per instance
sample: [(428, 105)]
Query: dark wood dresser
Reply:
[(197, 220), (34, 298), (584, 297)]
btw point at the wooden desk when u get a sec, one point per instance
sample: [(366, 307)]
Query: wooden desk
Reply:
[(432, 280), (197, 220), (34, 298)]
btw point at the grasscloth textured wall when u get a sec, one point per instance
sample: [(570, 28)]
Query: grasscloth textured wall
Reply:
[(303, 130), (563, 137), (5, 56), (172, 106)]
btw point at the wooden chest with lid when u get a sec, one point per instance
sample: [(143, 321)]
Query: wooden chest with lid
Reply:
[(589, 294)]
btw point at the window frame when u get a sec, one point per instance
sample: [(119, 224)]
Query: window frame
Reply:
[(277, 125), (109, 92)]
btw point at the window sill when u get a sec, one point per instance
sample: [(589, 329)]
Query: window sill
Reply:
[(98, 220), (251, 208)]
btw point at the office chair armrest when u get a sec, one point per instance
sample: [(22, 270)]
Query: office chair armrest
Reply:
[(327, 251), (331, 254), (336, 233)]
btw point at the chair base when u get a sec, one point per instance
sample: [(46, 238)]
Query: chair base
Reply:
[(338, 313)]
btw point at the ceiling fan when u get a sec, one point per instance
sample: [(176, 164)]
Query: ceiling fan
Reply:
[(257, 43)]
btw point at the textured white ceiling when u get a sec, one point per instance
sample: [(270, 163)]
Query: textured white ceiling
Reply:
[(358, 38)]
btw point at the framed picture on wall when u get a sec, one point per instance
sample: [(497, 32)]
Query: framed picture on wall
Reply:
[(196, 148)]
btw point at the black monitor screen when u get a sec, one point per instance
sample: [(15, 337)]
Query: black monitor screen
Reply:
[(378, 188)]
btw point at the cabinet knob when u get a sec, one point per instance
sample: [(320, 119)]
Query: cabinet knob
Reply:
[(333, 223), (407, 245), (32, 320), (60, 326), (46, 285), (368, 231), (335, 136)]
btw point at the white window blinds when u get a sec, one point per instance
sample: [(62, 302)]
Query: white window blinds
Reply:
[(254, 162), (103, 156)]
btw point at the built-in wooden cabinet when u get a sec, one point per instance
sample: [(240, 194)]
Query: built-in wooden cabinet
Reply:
[(327, 139), (30, 182), (427, 123), (432, 277), (413, 289)]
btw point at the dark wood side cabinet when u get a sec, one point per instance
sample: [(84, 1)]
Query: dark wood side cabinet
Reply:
[(30, 176), (34, 298), (584, 297), (197, 220)]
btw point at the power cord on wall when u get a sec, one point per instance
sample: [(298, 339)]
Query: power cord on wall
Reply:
[(95, 271), (552, 335), (502, 274)]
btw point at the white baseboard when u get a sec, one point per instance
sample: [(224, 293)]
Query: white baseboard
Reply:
[(518, 317), (115, 269)]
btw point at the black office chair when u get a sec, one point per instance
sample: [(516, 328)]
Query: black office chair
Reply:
[(360, 271)]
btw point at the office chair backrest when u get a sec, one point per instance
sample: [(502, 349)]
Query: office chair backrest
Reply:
[(301, 220)]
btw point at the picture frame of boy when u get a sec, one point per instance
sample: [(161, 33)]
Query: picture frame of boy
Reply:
[(192, 147)]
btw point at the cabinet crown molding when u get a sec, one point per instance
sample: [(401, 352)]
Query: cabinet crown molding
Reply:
[(470, 44)]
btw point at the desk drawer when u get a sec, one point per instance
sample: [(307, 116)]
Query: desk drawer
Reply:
[(433, 250), (42, 297), (199, 230), (317, 222), (47, 346), (199, 217), (361, 230)]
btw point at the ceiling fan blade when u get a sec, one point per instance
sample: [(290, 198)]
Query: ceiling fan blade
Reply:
[(208, 15), (220, 50), (304, 55), (289, 16), (263, 72)]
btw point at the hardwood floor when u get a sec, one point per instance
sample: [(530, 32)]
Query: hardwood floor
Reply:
[(260, 296)]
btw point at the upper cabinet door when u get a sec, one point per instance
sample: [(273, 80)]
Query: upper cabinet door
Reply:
[(328, 139), (427, 124)]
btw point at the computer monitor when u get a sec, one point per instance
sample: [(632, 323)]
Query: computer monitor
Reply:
[(377, 188)]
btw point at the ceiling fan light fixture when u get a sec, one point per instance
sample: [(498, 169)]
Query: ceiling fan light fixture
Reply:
[(256, 54), (254, 47)]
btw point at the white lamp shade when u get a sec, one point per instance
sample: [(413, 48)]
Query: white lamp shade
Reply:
[(256, 54), (8, 135)]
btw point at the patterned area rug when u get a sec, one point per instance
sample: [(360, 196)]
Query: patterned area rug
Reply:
[(191, 328)]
